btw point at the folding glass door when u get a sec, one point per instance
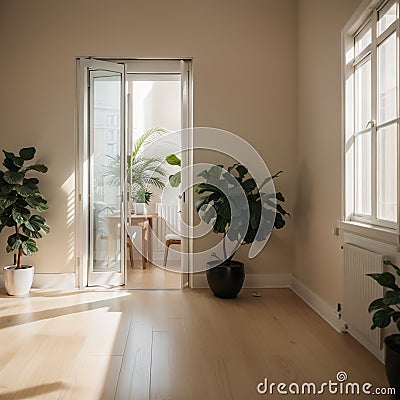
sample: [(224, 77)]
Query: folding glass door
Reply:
[(104, 148)]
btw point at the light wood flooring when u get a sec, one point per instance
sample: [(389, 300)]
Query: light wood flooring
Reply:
[(152, 277), (169, 345)]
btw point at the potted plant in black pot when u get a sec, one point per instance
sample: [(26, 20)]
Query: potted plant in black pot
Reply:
[(387, 311), (242, 213), (19, 196)]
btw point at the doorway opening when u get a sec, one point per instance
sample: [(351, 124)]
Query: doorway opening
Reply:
[(134, 118)]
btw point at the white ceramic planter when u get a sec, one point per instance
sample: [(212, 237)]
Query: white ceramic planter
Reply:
[(139, 208), (18, 282)]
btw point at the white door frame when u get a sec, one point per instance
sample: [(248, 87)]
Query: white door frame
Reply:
[(82, 184), (181, 66)]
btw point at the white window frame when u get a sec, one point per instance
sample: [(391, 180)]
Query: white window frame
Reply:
[(366, 13)]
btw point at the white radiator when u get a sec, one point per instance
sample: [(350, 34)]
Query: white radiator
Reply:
[(359, 291)]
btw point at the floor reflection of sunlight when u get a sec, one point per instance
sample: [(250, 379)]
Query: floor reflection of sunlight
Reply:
[(89, 328)]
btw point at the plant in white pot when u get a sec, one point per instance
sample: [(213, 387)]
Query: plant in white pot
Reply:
[(20, 199)]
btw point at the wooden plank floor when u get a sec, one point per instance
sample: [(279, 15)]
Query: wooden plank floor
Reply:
[(152, 277), (169, 345)]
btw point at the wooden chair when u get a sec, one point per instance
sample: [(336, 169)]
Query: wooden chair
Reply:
[(131, 237), (169, 240)]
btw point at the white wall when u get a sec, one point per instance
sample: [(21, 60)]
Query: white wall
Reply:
[(244, 75), (319, 260)]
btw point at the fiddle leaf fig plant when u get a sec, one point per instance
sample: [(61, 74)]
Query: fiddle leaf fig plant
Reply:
[(228, 217), (19, 200), (387, 308)]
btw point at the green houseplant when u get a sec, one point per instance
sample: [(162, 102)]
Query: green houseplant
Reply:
[(226, 276), (142, 170), (174, 179), (20, 199), (386, 312)]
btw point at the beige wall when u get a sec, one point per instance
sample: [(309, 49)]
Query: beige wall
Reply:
[(244, 73), (318, 256)]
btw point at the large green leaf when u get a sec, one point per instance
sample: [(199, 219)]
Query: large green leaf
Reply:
[(200, 202), (24, 190), (6, 200), (14, 241), (17, 161), (37, 222), (279, 221), (208, 214), (27, 153), (172, 159), (255, 214), (205, 187), (8, 163), (249, 185), (212, 175), (220, 224), (6, 218), (224, 210), (13, 177), (6, 187), (281, 210), (386, 279), (37, 167), (391, 297), (381, 318), (20, 215), (175, 180), (29, 247), (242, 171), (279, 196), (37, 202), (250, 235), (31, 233), (376, 305), (31, 183)]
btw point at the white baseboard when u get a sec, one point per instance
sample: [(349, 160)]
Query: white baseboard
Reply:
[(256, 281), (378, 353), (62, 281), (320, 306)]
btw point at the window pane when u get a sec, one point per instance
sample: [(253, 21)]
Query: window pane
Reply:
[(105, 185), (363, 174), (363, 95), (387, 173), (386, 17), (387, 107), (362, 39)]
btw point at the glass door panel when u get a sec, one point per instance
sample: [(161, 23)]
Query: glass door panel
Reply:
[(106, 176)]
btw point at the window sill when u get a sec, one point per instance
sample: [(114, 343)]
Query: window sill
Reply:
[(380, 234)]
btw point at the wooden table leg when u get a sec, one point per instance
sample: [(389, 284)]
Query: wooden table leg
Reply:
[(149, 239), (144, 232)]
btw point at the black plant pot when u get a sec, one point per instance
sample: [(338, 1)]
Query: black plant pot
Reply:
[(226, 280), (392, 365)]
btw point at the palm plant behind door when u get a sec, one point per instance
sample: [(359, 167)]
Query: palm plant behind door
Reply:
[(142, 170)]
